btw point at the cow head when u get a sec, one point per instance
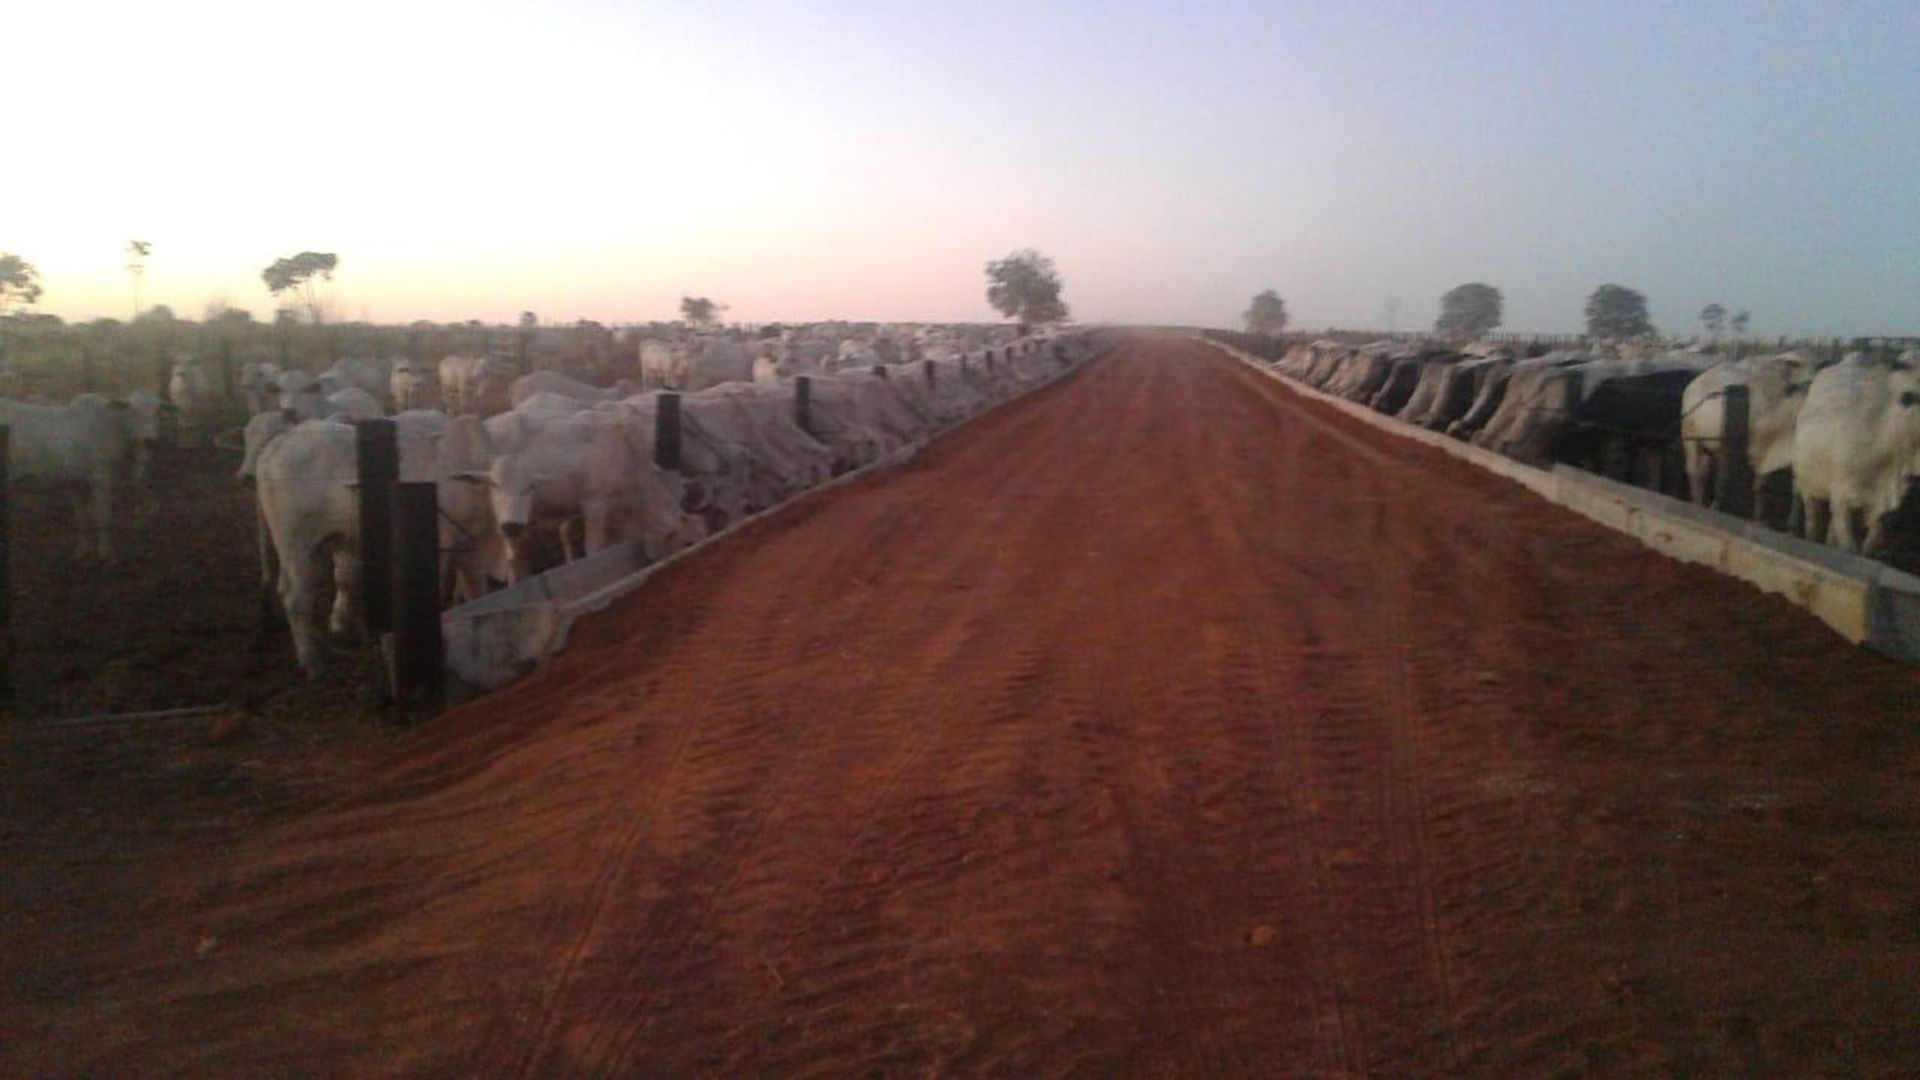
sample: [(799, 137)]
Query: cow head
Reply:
[(261, 430)]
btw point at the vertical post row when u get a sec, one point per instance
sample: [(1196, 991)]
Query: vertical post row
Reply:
[(1733, 486), (377, 447), (666, 431), (419, 652)]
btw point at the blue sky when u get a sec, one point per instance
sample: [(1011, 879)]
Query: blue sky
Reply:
[(796, 160)]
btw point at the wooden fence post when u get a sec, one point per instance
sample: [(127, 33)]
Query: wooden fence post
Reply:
[(931, 364), (880, 370), (419, 653), (1733, 480), (803, 403), (6, 565), (376, 444), (666, 431)]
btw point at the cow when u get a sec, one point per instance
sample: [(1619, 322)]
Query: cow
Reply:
[(556, 384), (305, 474), (1776, 389), (375, 376), (476, 384), (712, 361), (411, 384), (142, 421), (303, 394), (259, 386), (352, 404), (1447, 391), (760, 418), (76, 447), (1856, 445), (188, 389), (592, 467)]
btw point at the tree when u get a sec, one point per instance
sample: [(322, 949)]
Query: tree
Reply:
[(1714, 318), (528, 320), (1740, 321), (1616, 312), (19, 284), (137, 252), (1024, 286), (1469, 311), (302, 274), (157, 315), (1266, 315), (700, 311)]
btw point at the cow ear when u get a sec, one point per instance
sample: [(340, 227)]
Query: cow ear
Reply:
[(1909, 398)]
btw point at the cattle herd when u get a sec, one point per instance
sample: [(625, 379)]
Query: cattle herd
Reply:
[(534, 466), (1832, 443)]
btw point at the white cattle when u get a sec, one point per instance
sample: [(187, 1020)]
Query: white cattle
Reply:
[(717, 471), (477, 384), (77, 447), (555, 383), (592, 467), (411, 384), (548, 401), (353, 404), (1856, 444), (662, 363), (375, 376), (1776, 389), (259, 384), (143, 430), (469, 537), (713, 361), (301, 393), (188, 389), (305, 475)]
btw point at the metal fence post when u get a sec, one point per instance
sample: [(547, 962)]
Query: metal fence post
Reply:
[(1733, 480), (803, 403), (376, 443), (666, 431), (419, 653)]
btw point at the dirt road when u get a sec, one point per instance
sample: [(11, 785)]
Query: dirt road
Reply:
[(1160, 724)]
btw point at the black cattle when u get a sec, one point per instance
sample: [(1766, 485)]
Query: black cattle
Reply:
[(1628, 428)]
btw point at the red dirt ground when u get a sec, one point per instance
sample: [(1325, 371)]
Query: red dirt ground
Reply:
[(1163, 723)]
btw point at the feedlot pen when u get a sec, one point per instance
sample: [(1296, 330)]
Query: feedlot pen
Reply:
[(1163, 722)]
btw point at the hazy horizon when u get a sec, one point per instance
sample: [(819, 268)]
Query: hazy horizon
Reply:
[(598, 160)]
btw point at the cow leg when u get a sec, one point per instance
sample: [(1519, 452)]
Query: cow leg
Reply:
[(1796, 515), (296, 598), (596, 527), (1819, 520), (570, 546), (346, 591), (1841, 522)]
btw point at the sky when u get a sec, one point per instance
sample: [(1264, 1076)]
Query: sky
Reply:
[(579, 159)]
